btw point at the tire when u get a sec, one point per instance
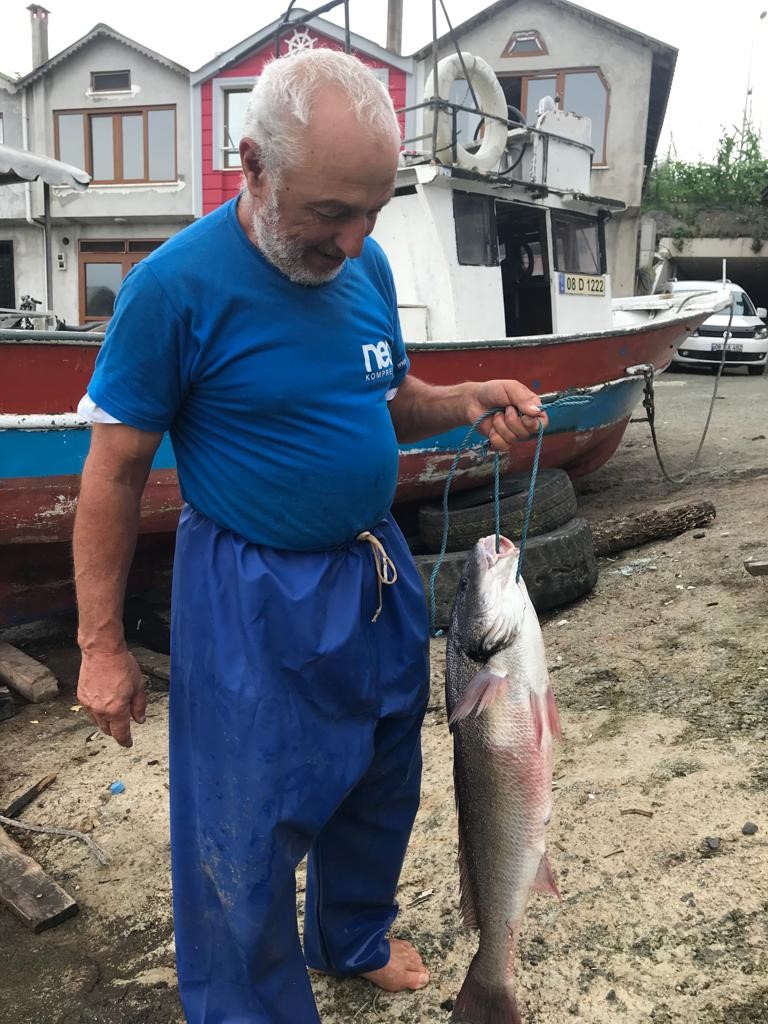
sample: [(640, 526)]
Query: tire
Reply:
[(756, 371), (558, 568), (471, 513)]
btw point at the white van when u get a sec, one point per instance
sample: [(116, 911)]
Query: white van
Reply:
[(748, 345)]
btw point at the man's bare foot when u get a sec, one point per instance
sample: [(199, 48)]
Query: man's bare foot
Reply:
[(405, 969)]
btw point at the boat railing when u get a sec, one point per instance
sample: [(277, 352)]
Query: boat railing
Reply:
[(19, 337)]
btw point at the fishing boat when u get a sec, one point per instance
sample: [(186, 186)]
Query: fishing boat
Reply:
[(498, 252), (499, 258)]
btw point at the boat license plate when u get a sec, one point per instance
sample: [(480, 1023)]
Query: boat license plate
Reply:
[(582, 284), (733, 346)]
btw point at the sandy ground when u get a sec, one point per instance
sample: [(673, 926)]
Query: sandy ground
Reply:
[(662, 682)]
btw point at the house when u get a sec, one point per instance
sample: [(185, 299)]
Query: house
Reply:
[(121, 111), (221, 87), (588, 64)]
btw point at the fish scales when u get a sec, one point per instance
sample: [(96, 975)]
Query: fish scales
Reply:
[(504, 721)]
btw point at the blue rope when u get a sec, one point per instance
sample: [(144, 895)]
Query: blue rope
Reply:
[(575, 399)]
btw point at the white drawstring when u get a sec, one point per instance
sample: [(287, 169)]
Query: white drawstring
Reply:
[(386, 571)]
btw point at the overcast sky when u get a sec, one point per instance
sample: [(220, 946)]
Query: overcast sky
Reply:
[(718, 53)]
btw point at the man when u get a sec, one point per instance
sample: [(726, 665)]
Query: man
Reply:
[(299, 634)]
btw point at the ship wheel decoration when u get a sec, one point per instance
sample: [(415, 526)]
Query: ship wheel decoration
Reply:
[(299, 42)]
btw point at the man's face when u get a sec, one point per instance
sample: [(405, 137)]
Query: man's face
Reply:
[(318, 213)]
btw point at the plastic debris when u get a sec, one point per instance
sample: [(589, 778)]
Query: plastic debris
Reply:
[(117, 787)]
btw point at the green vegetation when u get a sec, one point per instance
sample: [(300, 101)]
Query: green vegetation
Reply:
[(734, 180)]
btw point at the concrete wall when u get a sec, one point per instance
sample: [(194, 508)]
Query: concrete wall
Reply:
[(12, 203), (65, 88)]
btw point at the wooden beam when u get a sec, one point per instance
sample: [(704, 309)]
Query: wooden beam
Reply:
[(26, 675), (28, 892), (656, 524)]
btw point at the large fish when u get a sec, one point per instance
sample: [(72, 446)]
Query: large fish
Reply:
[(504, 720)]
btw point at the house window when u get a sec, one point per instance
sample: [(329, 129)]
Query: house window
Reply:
[(235, 106), (125, 146), (7, 282), (110, 81), (103, 265), (581, 91), (525, 44), (577, 243)]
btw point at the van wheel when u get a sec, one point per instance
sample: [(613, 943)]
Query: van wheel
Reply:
[(471, 513), (756, 371)]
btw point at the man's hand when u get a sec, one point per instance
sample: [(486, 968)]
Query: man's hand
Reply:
[(520, 419), (111, 689)]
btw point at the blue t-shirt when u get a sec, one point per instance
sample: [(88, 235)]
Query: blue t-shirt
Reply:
[(275, 394)]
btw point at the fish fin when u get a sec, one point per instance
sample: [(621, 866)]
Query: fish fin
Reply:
[(482, 690), (553, 715), (543, 708), (545, 880), (476, 1003), (466, 896)]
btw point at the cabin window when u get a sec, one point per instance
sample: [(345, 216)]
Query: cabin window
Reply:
[(110, 81), (525, 44), (103, 265), (577, 243), (475, 224), (124, 147), (580, 90), (7, 282)]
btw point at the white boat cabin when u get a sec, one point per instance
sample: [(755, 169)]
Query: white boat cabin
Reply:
[(499, 238)]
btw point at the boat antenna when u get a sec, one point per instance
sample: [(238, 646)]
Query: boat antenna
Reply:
[(285, 22)]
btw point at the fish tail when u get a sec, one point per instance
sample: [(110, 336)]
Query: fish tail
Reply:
[(478, 1003)]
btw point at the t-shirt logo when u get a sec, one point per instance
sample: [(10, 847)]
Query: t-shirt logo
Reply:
[(378, 361)]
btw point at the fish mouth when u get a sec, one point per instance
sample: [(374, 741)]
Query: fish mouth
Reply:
[(492, 557)]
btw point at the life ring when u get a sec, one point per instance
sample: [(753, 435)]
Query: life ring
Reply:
[(491, 99)]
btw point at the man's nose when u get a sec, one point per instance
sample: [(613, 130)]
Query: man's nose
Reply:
[(350, 237)]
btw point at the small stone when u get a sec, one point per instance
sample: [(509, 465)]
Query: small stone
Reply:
[(749, 828), (699, 536), (447, 1004), (611, 995), (712, 842)]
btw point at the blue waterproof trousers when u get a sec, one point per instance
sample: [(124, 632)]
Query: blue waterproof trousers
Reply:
[(294, 729)]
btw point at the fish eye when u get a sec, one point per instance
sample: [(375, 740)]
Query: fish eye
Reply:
[(463, 583)]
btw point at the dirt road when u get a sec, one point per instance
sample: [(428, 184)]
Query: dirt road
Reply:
[(662, 680)]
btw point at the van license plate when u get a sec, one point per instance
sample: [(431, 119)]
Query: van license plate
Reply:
[(733, 346), (581, 284)]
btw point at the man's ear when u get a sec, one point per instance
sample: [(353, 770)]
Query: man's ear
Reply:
[(253, 169)]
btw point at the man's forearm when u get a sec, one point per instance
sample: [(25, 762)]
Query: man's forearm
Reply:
[(420, 410), (106, 527)]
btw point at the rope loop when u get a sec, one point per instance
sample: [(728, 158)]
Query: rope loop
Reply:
[(563, 400)]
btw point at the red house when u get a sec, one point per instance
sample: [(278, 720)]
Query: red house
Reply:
[(220, 91)]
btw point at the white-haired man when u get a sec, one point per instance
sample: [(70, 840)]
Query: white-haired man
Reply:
[(298, 686)]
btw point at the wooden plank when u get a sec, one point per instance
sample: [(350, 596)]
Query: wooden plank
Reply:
[(28, 892), (152, 662), (26, 675), (12, 810), (757, 566)]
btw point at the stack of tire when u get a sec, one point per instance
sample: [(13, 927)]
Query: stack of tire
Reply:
[(559, 562)]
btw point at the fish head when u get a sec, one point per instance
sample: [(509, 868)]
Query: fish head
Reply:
[(490, 603)]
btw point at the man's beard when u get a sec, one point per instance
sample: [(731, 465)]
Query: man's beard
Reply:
[(287, 254)]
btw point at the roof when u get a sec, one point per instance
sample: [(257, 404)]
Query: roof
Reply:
[(18, 165), (265, 35), (8, 82), (100, 31), (662, 69)]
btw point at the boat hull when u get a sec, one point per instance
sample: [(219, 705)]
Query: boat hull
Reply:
[(42, 449)]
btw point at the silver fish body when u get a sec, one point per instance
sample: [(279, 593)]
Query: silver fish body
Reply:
[(504, 721)]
